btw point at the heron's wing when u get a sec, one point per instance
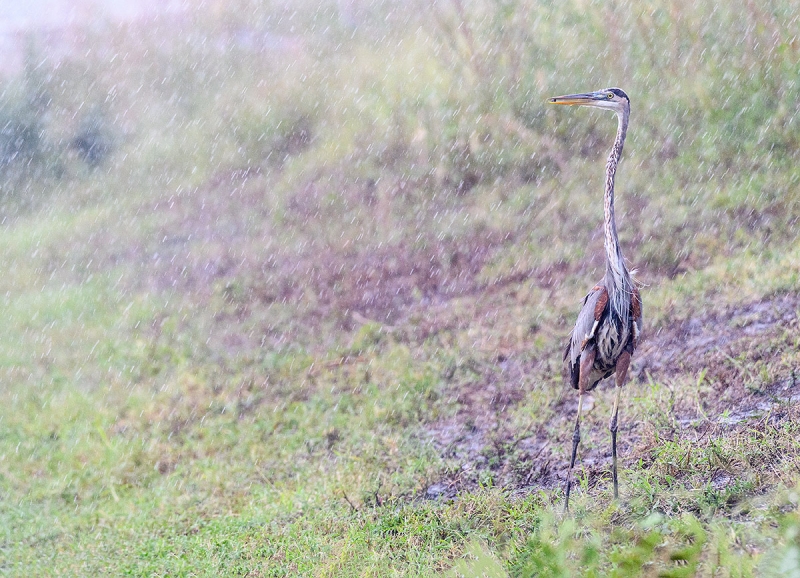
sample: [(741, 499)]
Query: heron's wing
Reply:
[(594, 307)]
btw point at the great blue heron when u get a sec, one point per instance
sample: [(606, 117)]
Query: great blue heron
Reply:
[(610, 322)]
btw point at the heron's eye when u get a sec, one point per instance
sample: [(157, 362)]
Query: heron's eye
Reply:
[(610, 95)]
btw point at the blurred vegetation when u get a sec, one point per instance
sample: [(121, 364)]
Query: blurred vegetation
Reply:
[(23, 150), (262, 258)]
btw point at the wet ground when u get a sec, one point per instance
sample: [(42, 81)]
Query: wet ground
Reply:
[(720, 347)]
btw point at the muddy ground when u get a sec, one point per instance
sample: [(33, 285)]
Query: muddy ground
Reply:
[(721, 347)]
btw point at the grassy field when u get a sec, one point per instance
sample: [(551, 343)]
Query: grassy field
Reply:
[(307, 317)]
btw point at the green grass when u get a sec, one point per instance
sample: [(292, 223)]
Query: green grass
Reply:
[(306, 292)]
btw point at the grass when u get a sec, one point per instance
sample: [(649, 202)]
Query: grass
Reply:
[(308, 318)]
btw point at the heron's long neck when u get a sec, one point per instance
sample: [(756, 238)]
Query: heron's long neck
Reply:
[(616, 271)]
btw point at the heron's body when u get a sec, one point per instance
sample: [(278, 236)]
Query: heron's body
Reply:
[(611, 336), (609, 324)]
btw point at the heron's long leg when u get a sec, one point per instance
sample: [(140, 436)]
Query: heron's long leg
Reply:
[(576, 439), (587, 360), (622, 371)]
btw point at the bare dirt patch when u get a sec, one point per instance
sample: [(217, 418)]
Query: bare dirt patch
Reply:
[(739, 352), (380, 284)]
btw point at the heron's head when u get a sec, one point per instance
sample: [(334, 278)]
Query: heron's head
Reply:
[(609, 98)]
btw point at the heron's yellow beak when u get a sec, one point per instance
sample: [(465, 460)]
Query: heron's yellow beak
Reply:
[(585, 98)]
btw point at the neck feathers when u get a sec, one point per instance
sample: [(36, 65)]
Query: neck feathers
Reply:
[(617, 277)]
